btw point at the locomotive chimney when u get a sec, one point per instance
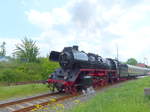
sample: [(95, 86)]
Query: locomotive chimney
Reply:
[(75, 47)]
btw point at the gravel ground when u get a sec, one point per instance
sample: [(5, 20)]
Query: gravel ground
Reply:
[(62, 106)]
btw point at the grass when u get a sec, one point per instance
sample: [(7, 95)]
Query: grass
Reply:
[(21, 90), (127, 98)]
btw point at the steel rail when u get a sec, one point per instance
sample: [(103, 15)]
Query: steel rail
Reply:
[(24, 83), (27, 109), (60, 98), (26, 100)]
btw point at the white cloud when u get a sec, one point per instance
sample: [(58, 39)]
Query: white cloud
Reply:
[(47, 20), (96, 26), (133, 29)]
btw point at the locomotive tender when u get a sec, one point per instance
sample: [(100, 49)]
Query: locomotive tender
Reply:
[(80, 70)]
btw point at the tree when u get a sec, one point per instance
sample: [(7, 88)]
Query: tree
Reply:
[(3, 49), (27, 51), (132, 61)]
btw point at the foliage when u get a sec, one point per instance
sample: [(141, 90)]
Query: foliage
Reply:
[(8, 76), (16, 71), (132, 61), (27, 51), (128, 97), (3, 49), (48, 67)]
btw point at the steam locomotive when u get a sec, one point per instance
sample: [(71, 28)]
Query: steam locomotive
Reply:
[(79, 70)]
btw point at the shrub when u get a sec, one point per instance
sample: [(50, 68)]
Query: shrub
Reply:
[(15, 71), (8, 76)]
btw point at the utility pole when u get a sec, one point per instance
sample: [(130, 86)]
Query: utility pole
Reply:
[(117, 66), (145, 61), (117, 52)]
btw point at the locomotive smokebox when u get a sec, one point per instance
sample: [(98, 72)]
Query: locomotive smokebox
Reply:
[(54, 56)]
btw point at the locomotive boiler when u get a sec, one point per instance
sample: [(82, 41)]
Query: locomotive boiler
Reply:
[(79, 70), (71, 58)]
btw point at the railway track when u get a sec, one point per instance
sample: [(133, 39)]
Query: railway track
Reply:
[(25, 105), (24, 83)]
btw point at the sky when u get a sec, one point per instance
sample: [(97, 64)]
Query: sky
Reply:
[(97, 26)]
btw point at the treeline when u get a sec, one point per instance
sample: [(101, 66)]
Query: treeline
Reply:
[(15, 71), (25, 63), (133, 61)]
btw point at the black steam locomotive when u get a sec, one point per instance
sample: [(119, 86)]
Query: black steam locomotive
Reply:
[(80, 70)]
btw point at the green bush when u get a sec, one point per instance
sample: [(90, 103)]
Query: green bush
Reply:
[(8, 76), (15, 71)]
